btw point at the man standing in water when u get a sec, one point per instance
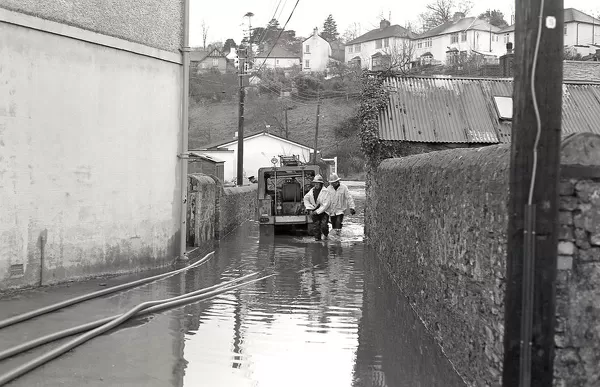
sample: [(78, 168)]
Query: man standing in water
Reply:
[(340, 200), (316, 203)]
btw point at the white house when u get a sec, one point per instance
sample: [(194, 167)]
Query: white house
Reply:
[(460, 37), (259, 150), (384, 43), (317, 53), (279, 58), (581, 31), (233, 57)]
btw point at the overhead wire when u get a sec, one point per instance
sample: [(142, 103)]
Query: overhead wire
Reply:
[(279, 36)]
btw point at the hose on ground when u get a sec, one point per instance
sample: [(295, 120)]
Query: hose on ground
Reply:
[(94, 324), (167, 303), (59, 305)]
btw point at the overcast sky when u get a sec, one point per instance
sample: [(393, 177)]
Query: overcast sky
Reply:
[(225, 18)]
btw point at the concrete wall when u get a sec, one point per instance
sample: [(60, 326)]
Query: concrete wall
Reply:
[(154, 23), (439, 220), (89, 136), (214, 211)]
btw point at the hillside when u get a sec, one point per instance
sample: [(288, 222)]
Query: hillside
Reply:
[(214, 122)]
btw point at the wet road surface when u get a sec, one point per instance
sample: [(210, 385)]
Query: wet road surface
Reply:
[(330, 317)]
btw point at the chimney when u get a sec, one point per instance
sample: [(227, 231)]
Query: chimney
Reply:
[(315, 31), (507, 60), (384, 24), (457, 16)]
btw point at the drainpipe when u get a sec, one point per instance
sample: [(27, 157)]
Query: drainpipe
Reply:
[(183, 156)]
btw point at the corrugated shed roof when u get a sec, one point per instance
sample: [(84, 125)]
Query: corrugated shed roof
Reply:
[(379, 33), (462, 110)]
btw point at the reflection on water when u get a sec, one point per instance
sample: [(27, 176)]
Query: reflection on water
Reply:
[(330, 317)]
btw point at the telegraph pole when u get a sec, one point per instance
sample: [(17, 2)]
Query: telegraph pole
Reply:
[(530, 300), (240, 151), (317, 125), (286, 122)]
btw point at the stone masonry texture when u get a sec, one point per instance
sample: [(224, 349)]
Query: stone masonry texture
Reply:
[(154, 23), (214, 211), (438, 222)]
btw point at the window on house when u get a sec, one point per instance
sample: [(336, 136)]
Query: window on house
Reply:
[(386, 42), (506, 38), (307, 64), (378, 43), (428, 42), (504, 107), (420, 44), (357, 47), (454, 38), (215, 62), (350, 49), (565, 30), (463, 36), (276, 61), (306, 49)]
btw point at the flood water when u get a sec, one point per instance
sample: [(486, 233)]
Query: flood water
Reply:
[(329, 317)]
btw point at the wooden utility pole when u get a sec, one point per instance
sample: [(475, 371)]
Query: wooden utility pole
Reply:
[(240, 150), (317, 126), (286, 122), (533, 211)]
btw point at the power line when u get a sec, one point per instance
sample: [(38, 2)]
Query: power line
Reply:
[(279, 36)]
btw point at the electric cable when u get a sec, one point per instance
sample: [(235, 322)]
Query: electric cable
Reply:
[(279, 36), (72, 301)]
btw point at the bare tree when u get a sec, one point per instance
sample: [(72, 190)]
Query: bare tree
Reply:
[(398, 57), (204, 34), (352, 32), (441, 11)]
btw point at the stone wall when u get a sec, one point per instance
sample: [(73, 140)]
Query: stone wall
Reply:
[(578, 301), (214, 211), (438, 221)]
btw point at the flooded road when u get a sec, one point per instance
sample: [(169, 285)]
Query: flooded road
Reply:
[(329, 317)]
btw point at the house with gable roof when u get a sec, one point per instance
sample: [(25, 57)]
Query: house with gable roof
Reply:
[(203, 61), (373, 49), (581, 32), (259, 149), (279, 58), (317, 53), (457, 40)]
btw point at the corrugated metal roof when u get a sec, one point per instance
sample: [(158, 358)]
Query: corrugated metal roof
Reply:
[(462, 110)]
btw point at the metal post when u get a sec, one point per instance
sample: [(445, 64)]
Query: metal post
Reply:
[(317, 126)]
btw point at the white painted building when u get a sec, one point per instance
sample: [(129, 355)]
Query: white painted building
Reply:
[(90, 130), (459, 38), (581, 32), (259, 150), (367, 50), (279, 58), (316, 53)]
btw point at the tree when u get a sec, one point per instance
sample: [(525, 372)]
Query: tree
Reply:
[(204, 34), (398, 57), (330, 32), (352, 32), (441, 11), (494, 17), (229, 43)]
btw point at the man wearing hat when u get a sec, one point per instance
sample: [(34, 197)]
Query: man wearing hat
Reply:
[(316, 203), (340, 200)]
